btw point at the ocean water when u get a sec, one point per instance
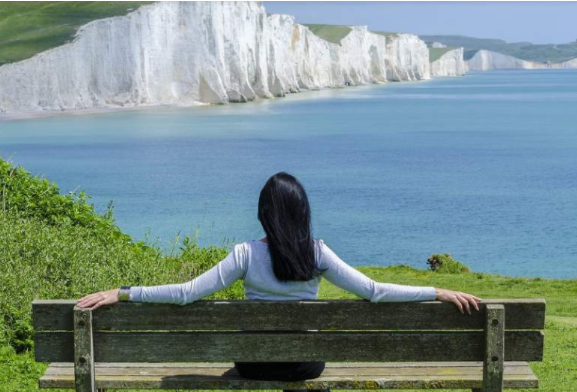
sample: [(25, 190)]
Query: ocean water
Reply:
[(483, 167)]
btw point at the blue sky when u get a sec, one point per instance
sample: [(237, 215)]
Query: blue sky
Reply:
[(537, 22)]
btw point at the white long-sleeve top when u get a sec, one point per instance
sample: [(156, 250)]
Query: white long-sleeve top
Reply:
[(251, 262)]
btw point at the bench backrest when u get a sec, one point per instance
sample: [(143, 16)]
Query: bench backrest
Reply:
[(345, 330)]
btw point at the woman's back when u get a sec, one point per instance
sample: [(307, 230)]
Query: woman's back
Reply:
[(260, 282)]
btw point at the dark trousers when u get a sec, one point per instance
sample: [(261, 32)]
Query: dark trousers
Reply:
[(281, 371)]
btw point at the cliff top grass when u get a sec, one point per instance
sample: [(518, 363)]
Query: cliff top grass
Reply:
[(330, 33), (386, 33), (437, 53), (28, 28), (523, 50)]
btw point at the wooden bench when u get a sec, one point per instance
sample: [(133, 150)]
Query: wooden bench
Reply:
[(426, 345)]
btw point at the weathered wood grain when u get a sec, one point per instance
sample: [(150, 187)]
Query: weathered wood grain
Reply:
[(494, 349), (391, 376), (83, 351), (384, 370), (287, 315), (102, 365), (297, 346)]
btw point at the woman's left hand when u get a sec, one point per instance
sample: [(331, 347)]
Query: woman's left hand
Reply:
[(96, 300), (463, 301)]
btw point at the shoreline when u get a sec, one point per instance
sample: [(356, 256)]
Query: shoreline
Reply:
[(24, 116)]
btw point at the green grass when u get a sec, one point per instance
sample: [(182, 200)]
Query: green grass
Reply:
[(56, 246), (331, 33), (521, 50), (563, 320), (437, 53), (386, 33), (28, 28)]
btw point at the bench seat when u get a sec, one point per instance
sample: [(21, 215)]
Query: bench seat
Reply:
[(408, 375)]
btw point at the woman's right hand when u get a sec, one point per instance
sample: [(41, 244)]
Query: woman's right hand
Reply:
[(96, 300), (463, 301)]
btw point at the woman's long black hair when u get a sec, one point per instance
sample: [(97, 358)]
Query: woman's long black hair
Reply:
[(285, 215)]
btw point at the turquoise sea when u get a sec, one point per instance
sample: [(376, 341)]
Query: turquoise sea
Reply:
[(483, 167)]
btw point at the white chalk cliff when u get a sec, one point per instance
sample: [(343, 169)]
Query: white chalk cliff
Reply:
[(450, 63), (407, 58), (185, 53), (568, 64), (438, 45), (485, 60)]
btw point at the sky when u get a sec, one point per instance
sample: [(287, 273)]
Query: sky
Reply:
[(537, 22)]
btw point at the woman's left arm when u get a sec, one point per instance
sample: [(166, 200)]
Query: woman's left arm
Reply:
[(348, 278), (219, 277)]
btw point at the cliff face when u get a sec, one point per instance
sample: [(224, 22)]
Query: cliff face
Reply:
[(485, 60), (166, 53), (568, 64), (449, 64), (184, 53), (299, 60), (362, 55), (407, 58)]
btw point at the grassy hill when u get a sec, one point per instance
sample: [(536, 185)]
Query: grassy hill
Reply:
[(331, 33), (28, 28), (521, 50), (335, 33), (436, 53), (56, 246)]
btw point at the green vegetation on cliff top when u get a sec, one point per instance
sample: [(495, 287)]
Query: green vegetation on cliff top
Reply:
[(436, 53), (28, 28), (330, 33), (56, 246), (335, 33), (522, 50), (386, 33)]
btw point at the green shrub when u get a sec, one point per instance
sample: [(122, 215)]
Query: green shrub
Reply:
[(32, 196), (43, 261), (55, 246), (445, 264)]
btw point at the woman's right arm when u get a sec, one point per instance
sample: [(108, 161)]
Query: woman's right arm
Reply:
[(350, 279), (222, 275)]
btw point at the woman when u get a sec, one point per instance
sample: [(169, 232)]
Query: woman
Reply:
[(285, 265)]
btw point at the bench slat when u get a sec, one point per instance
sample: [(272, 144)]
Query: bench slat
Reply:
[(56, 315), (335, 376), (331, 371), (274, 346), (103, 365)]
